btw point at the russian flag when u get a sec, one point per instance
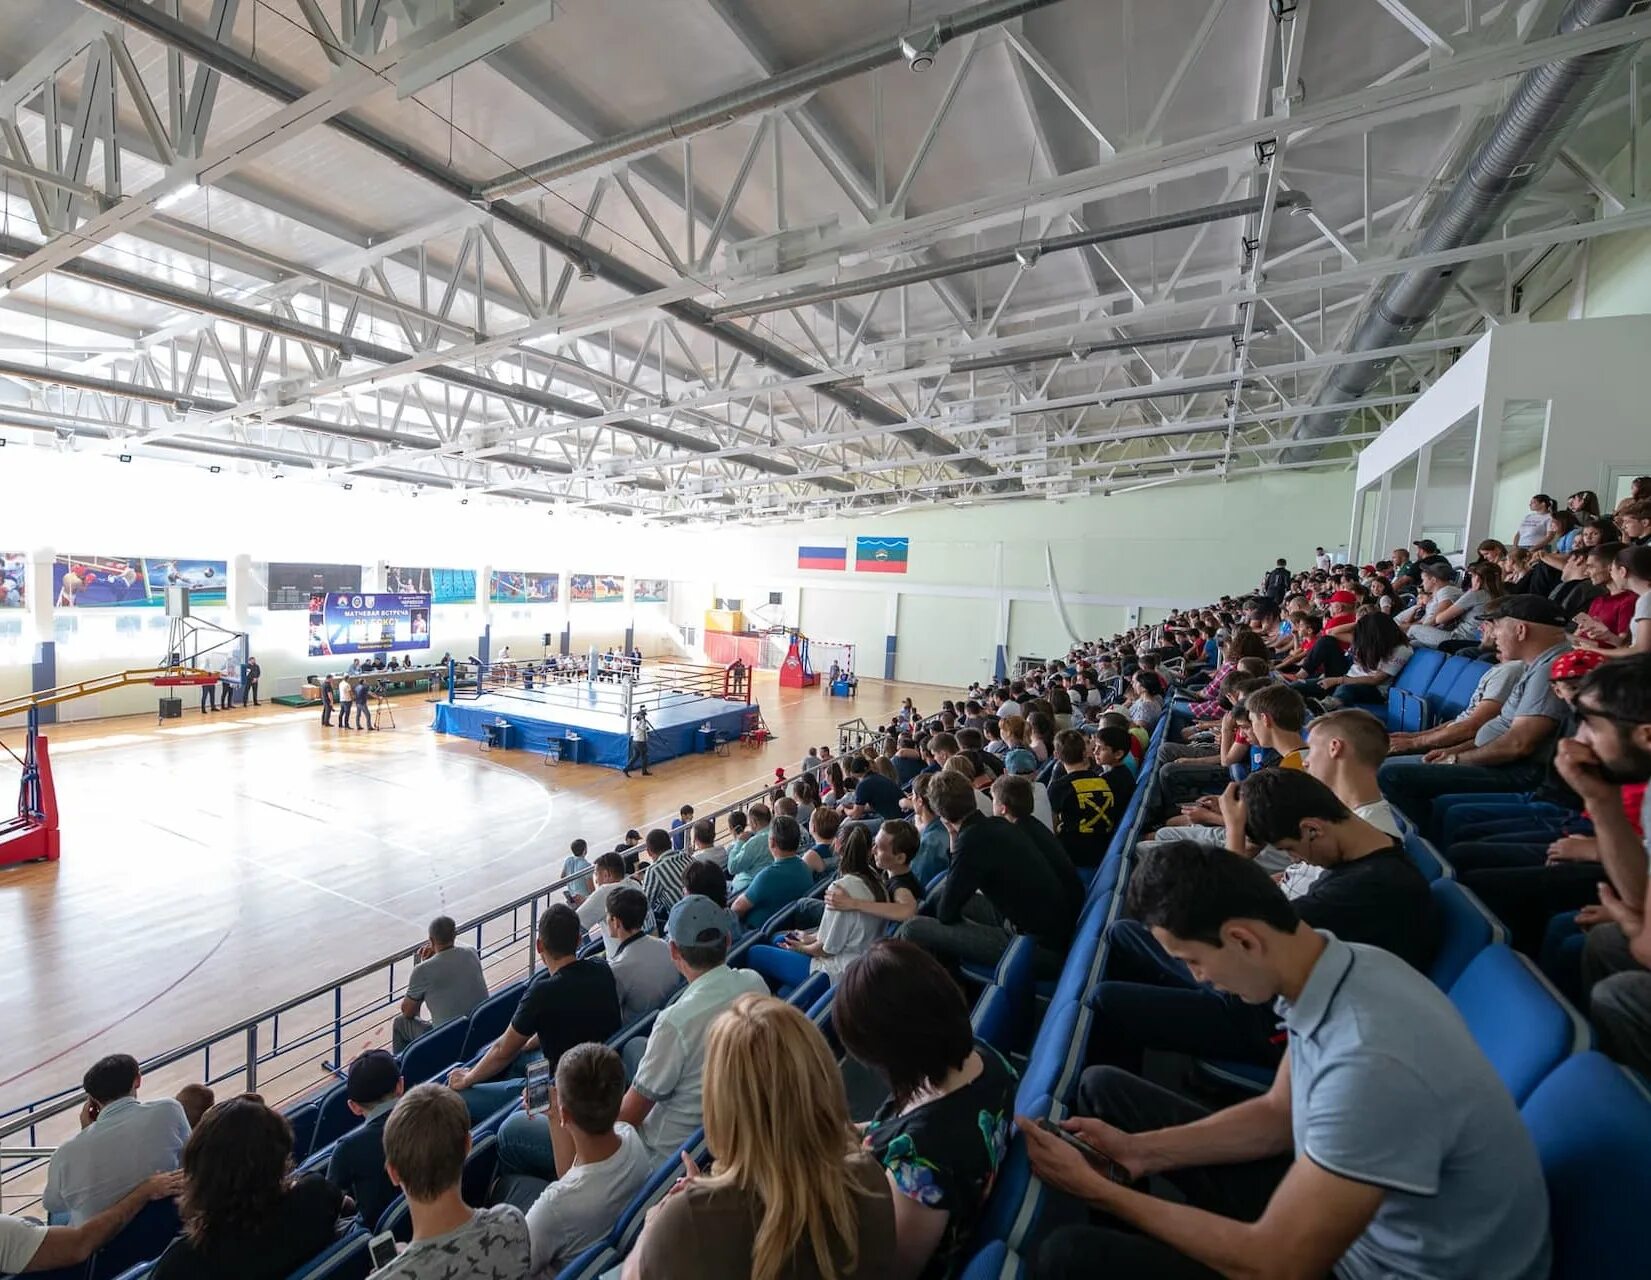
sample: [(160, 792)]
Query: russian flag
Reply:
[(880, 555), (822, 558)]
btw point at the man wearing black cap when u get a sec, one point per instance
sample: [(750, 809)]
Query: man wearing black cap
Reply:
[(357, 1165), (1511, 751)]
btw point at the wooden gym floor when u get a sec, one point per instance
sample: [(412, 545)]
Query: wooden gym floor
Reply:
[(217, 866)]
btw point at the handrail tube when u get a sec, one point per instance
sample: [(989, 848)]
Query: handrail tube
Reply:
[(32, 1114)]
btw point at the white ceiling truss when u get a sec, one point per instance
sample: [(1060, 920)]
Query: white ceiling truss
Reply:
[(769, 271)]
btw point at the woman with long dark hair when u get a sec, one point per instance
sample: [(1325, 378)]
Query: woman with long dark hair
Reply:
[(944, 1131), (1537, 530), (245, 1217), (1380, 652)]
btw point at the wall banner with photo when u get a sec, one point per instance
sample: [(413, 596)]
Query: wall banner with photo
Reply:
[(522, 588), (596, 588), (82, 581), (443, 586), (652, 590)]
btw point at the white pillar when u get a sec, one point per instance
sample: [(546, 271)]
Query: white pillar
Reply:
[(1418, 501), (1487, 457)]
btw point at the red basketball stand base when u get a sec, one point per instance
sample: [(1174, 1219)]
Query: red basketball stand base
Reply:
[(794, 671), (31, 838)]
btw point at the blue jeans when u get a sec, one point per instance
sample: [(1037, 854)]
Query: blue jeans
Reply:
[(1411, 786), (524, 1147), (485, 1101), (777, 966), (1149, 1000)]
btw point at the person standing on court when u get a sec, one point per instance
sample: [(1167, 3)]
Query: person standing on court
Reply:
[(638, 759), (329, 696), (249, 682), (209, 696), (363, 717), (346, 700)]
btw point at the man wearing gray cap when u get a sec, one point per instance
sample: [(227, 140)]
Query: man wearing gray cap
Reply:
[(663, 1103)]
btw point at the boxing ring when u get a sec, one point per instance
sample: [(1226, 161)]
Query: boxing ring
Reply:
[(567, 715)]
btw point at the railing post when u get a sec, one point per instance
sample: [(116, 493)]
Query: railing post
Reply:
[(532, 936), (252, 1058), (338, 1029)]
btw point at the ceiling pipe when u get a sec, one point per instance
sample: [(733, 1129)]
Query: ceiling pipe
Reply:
[(1521, 143), (590, 259), (916, 48), (1025, 254), (1080, 350)]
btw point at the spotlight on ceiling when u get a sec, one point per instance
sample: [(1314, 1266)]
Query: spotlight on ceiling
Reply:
[(125, 457), (1028, 255), (587, 271), (348, 486), (464, 502), (214, 468), (919, 50)]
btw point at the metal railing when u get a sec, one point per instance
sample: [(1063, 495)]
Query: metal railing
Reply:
[(245, 1047)]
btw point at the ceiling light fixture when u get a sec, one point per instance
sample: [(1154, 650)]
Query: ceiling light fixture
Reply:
[(214, 468), (125, 457), (177, 195), (919, 50)]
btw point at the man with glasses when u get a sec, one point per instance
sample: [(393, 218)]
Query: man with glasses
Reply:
[(1612, 748)]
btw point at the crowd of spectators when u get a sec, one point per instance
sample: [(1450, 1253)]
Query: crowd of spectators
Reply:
[(1275, 921)]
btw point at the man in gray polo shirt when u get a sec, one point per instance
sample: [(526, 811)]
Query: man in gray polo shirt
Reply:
[(447, 978), (1511, 751), (1386, 1146)]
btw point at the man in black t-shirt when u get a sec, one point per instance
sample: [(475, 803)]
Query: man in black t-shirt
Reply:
[(998, 885), (874, 795), (1087, 802), (571, 1002), (1370, 892)]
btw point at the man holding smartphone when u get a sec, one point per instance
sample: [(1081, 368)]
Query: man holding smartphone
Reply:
[(1387, 1144)]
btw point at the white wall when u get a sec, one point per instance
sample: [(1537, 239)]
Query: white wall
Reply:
[(77, 503)]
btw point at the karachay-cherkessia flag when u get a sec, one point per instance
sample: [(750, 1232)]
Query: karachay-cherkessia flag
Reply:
[(822, 557), (880, 555)]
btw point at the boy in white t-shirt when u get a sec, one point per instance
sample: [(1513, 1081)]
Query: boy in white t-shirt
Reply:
[(600, 1164), (1344, 750)]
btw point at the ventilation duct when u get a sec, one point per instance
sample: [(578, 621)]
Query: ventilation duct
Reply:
[(1546, 104)]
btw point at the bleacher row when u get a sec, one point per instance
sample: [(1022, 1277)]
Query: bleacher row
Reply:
[(1590, 1119)]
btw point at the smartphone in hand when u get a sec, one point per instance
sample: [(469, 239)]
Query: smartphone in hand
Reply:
[(1105, 1163), (537, 1090), (381, 1250)]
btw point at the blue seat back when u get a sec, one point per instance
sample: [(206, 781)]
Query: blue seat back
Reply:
[(489, 1019), (628, 1225), (994, 1262), (142, 1240), (1591, 1122), (1467, 672), (480, 1166), (397, 1219), (345, 1259), (1465, 929), (302, 1119), (1518, 1020), (333, 1117), (434, 1052), (1406, 696), (994, 1020), (1426, 857), (595, 1261), (1015, 970)]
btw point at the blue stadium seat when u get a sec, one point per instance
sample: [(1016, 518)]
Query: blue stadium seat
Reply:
[(433, 1052), (1466, 673), (135, 1273), (397, 1219), (333, 1117), (628, 1225), (142, 1241), (489, 1019), (345, 1259), (594, 1262), (480, 1166), (1524, 1027), (997, 1261), (1591, 1121), (302, 1119), (1407, 709), (1426, 857), (995, 1021), (1466, 929)]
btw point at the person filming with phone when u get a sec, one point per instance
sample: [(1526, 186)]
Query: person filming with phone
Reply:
[(1387, 1144)]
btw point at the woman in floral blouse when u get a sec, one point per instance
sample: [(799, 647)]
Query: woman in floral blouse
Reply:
[(944, 1131)]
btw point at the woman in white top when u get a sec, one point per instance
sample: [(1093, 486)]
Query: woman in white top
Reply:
[(844, 935), (1537, 529)]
